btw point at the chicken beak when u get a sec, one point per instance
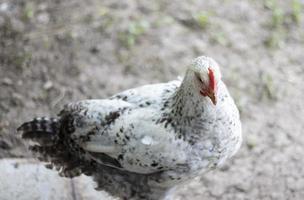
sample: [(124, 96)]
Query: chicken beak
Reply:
[(211, 95)]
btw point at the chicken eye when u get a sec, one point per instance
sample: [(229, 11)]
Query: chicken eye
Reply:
[(199, 78)]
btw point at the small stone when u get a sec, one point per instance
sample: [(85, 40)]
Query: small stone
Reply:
[(4, 7), (17, 96), (43, 18), (20, 82), (7, 81), (48, 85), (251, 141)]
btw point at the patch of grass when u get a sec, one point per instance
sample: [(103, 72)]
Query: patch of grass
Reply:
[(136, 29), (220, 38), (269, 4), (277, 17), (22, 61), (164, 21), (103, 11), (277, 14), (107, 22), (274, 40), (104, 18), (28, 12), (276, 37), (268, 87), (199, 20), (296, 11), (202, 19)]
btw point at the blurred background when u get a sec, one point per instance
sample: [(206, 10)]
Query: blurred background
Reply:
[(53, 52)]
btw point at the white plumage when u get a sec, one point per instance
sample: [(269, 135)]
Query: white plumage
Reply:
[(143, 141)]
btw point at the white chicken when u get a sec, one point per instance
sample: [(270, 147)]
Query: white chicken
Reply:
[(140, 143)]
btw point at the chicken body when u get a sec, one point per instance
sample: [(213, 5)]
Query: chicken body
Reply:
[(142, 142)]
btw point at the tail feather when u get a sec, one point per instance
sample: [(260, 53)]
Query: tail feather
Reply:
[(53, 146), (42, 130)]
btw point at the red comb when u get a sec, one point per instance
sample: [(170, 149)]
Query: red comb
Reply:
[(212, 79)]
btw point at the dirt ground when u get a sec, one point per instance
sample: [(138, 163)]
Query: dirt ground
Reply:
[(53, 52)]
